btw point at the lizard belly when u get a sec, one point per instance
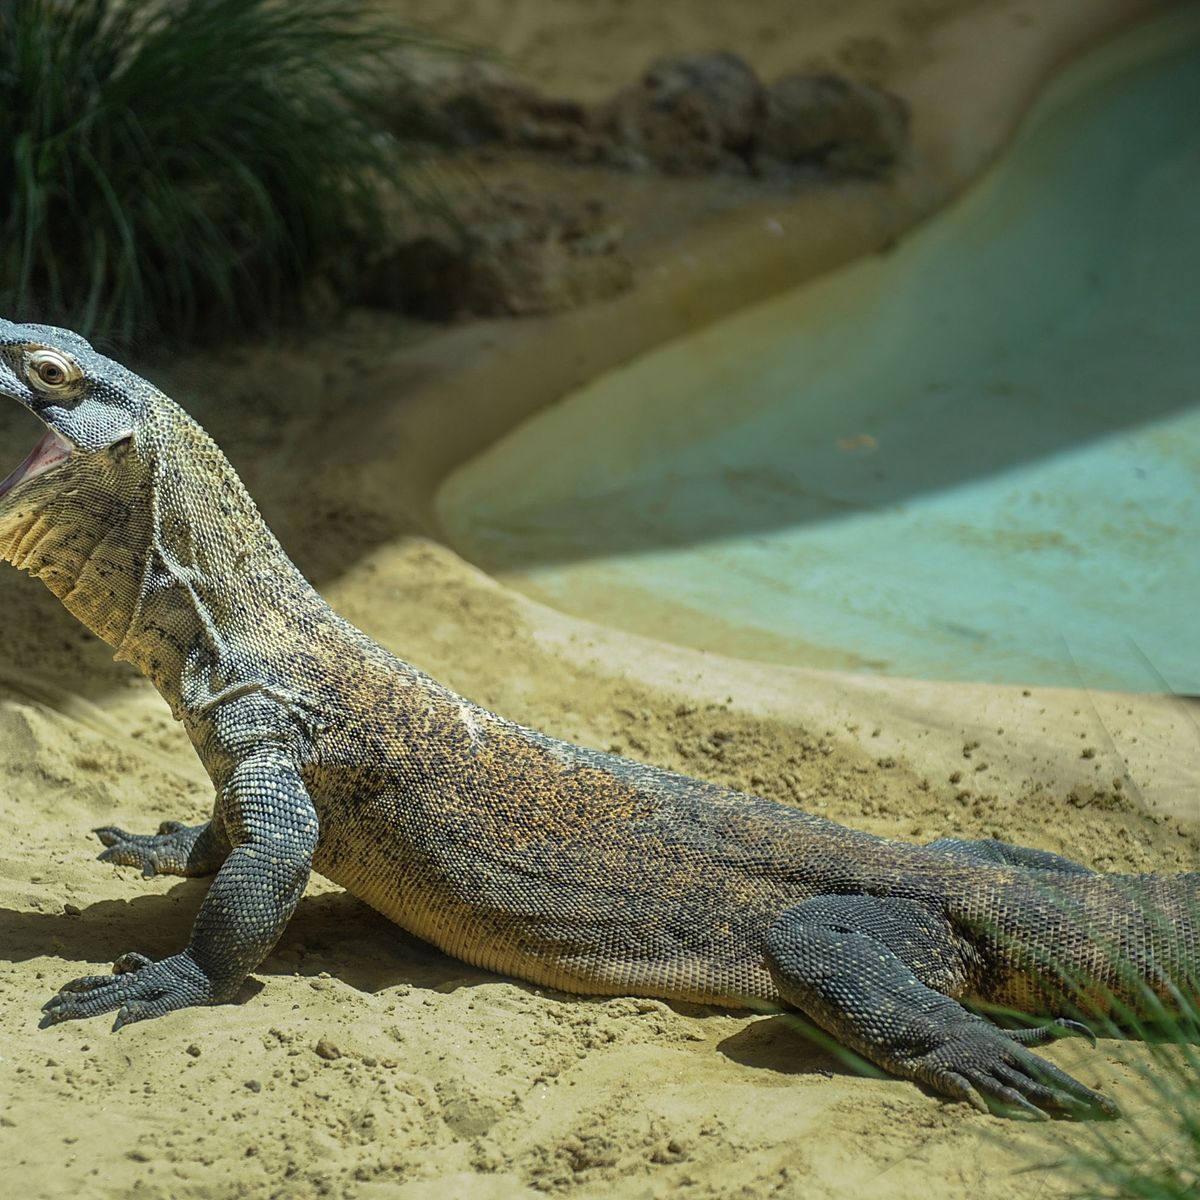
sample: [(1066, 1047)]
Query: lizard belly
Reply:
[(567, 917)]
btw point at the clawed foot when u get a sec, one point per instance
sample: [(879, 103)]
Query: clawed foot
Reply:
[(138, 988), (176, 849), (987, 1067)]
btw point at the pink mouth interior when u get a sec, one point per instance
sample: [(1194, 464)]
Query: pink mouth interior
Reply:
[(47, 454)]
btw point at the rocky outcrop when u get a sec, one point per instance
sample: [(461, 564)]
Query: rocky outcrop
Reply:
[(851, 127), (511, 250), (687, 115), (517, 249)]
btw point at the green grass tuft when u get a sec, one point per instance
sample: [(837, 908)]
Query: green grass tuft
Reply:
[(1154, 1152), (182, 167)]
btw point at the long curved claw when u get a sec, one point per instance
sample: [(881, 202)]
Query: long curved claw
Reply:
[(1012, 1080), (1041, 1035), (130, 849), (176, 849), (110, 835), (123, 856)]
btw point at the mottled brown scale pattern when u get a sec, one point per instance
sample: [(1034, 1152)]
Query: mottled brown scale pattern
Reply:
[(507, 848)]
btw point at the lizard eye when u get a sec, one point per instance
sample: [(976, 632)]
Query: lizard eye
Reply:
[(52, 370)]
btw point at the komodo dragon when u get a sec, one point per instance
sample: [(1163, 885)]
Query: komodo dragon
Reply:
[(517, 852)]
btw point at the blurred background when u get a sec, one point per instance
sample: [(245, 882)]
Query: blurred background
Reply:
[(970, 455)]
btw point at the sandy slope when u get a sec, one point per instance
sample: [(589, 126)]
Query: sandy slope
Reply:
[(361, 1063)]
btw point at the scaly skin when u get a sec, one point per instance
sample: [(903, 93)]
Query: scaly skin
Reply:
[(509, 849)]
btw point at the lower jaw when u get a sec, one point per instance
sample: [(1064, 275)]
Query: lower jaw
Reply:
[(51, 451)]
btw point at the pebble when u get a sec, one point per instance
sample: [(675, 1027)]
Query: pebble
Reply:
[(327, 1049)]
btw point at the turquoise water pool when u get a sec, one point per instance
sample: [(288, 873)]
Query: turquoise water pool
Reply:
[(976, 457)]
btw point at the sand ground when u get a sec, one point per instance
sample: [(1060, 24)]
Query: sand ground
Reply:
[(359, 1062)]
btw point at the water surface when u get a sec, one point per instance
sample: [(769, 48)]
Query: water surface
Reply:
[(976, 457)]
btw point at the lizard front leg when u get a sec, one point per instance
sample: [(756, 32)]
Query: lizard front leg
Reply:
[(271, 825), (876, 972)]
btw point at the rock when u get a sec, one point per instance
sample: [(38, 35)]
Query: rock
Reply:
[(687, 116), (511, 113), (327, 1049), (472, 104), (723, 85), (839, 122)]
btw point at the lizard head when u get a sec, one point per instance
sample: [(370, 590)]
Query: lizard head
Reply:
[(121, 479), (89, 405)]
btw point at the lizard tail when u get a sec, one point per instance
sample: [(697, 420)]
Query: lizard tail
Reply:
[(1122, 947)]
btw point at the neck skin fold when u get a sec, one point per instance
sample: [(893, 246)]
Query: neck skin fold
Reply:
[(160, 556)]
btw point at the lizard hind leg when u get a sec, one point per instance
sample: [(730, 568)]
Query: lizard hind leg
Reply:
[(1004, 854), (880, 975)]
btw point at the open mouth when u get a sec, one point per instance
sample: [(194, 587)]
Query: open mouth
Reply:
[(50, 451)]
